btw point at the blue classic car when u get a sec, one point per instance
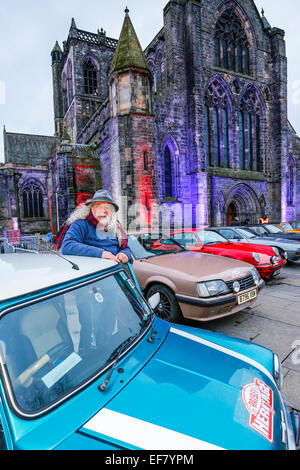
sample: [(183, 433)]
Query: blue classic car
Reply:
[(85, 364)]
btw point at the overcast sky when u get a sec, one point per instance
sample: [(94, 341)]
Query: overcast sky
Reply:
[(29, 29)]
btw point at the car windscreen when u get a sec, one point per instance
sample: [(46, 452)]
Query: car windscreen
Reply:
[(209, 237), (245, 233), (274, 229), (166, 245), (137, 249), (259, 229), (56, 345), (287, 227), (230, 234)]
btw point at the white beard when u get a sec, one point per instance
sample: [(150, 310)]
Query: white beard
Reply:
[(110, 223)]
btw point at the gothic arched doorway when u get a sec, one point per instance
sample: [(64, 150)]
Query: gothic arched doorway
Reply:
[(242, 202), (231, 213)]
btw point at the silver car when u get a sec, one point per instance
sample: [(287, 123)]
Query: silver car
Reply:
[(246, 235)]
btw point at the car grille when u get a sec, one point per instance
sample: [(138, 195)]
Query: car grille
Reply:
[(245, 283)]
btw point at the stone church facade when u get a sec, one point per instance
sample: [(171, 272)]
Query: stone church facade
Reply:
[(194, 127)]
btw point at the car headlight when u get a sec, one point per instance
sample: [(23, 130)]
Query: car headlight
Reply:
[(212, 288), (278, 371), (256, 257), (256, 276), (274, 259), (276, 251)]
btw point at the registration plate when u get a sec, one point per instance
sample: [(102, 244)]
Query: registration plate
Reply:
[(247, 296)]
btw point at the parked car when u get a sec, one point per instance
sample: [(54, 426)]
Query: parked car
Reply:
[(287, 227), (209, 241), (273, 231), (86, 365), (194, 285), (286, 248)]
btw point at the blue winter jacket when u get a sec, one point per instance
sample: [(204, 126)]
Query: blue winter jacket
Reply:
[(82, 240)]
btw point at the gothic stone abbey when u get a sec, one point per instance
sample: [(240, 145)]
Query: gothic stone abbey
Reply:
[(198, 121)]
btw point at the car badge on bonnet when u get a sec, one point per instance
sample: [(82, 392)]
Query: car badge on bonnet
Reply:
[(236, 286)]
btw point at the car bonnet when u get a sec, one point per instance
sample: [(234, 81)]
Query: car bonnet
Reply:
[(193, 394), (198, 265)]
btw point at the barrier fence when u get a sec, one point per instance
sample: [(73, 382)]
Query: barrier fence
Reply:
[(24, 243)]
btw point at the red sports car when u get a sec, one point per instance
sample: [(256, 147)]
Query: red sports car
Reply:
[(266, 259)]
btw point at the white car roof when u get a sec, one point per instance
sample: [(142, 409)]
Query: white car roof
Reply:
[(22, 273)]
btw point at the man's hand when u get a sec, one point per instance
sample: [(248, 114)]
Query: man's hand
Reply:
[(109, 255), (122, 258)]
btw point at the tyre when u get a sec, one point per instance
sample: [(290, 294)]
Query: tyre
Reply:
[(168, 308)]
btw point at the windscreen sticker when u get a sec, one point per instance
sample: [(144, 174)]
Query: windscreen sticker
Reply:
[(258, 399), (61, 369), (99, 297)]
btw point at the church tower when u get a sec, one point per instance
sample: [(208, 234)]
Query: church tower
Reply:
[(133, 156)]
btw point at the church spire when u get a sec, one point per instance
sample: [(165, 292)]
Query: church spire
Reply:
[(73, 24), (129, 53), (264, 20)]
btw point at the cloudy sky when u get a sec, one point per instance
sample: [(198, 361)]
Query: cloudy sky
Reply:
[(29, 29)]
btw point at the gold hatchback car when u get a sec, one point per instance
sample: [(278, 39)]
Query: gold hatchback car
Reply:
[(193, 285)]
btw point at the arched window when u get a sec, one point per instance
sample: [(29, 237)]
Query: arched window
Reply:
[(168, 180), (32, 198), (225, 136), (70, 82), (242, 140), (207, 135), (90, 77), (159, 71), (290, 180), (231, 44), (250, 131), (64, 92), (217, 126)]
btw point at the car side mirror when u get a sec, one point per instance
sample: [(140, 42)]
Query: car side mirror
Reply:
[(154, 300)]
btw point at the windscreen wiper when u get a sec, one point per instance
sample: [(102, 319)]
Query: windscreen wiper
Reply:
[(117, 352)]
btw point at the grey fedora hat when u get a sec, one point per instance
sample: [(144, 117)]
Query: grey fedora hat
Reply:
[(102, 195)]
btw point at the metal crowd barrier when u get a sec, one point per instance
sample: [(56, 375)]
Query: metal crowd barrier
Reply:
[(23, 243)]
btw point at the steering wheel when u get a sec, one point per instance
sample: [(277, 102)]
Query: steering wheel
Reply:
[(25, 378)]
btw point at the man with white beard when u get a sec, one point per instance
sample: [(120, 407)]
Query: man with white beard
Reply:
[(93, 230)]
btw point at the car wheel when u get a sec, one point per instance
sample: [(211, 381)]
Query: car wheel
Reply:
[(168, 308)]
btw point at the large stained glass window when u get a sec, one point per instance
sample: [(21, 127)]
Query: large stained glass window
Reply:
[(231, 44), (290, 181), (90, 77), (250, 131), (217, 116), (168, 173), (32, 197)]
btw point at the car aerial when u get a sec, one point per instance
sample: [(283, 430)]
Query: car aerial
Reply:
[(194, 285), (87, 365), (286, 248), (274, 231), (265, 260)]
